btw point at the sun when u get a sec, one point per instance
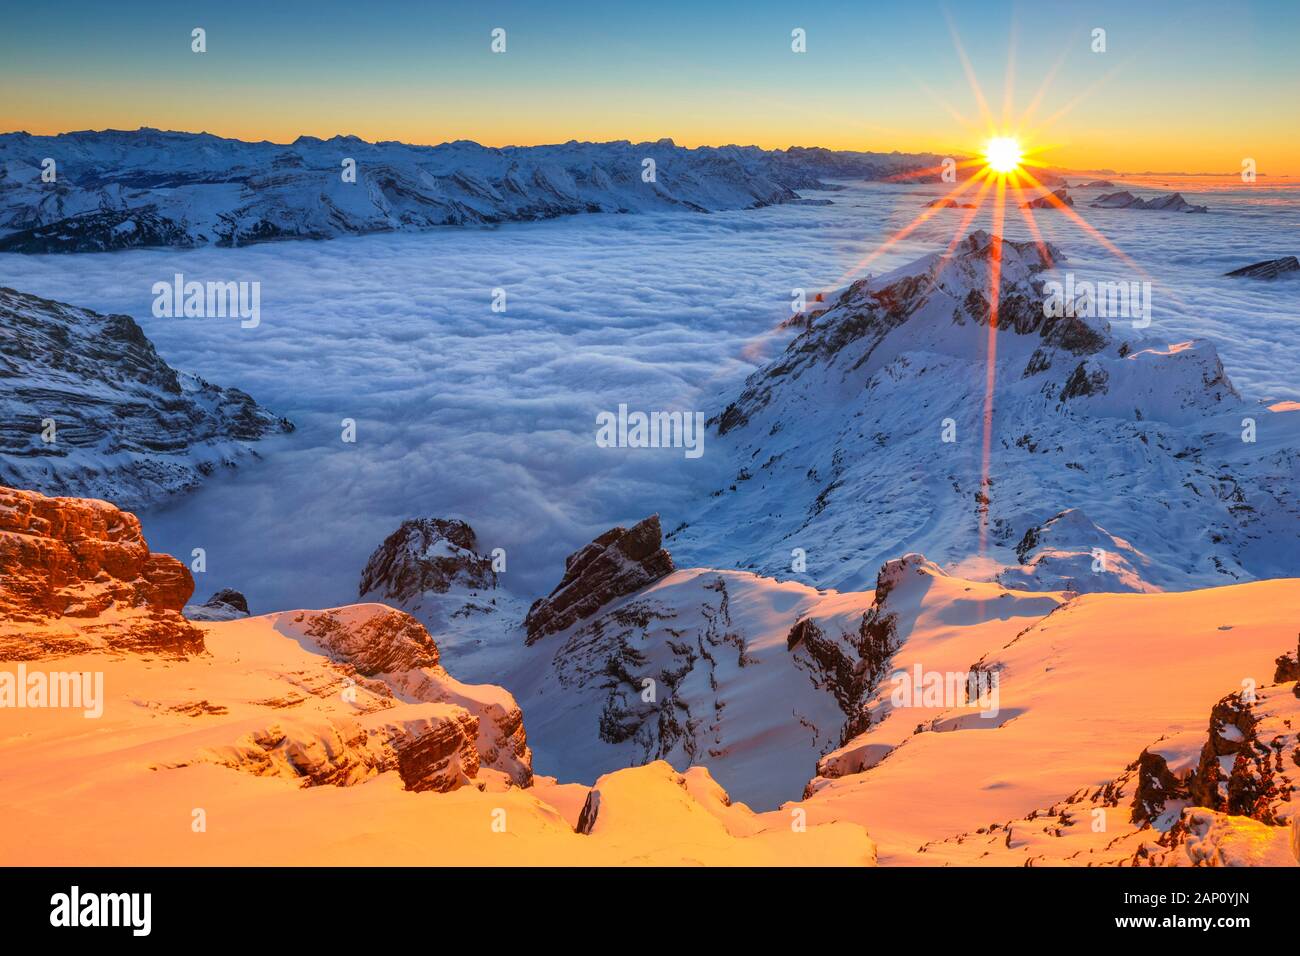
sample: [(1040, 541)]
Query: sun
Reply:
[(1003, 154)]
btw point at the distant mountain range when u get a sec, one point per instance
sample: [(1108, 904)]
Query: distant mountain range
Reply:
[(118, 189)]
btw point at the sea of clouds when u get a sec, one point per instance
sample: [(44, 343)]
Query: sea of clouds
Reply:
[(491, 417)]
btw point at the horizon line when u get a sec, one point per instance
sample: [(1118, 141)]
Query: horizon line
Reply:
[(662, 140)]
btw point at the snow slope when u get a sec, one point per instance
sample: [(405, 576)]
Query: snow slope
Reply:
[(866, 439), (1082, 691)]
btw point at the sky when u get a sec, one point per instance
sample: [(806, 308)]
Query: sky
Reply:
[(1190, 86)]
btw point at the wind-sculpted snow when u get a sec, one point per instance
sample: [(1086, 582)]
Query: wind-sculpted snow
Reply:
[(118, 189), (89, 408), (865, 439)]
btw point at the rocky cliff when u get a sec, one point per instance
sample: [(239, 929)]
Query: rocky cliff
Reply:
[(89, 408)]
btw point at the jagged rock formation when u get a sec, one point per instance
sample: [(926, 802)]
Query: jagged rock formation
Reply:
[(1269, 269), (89, 408), (125, 189), (1057, 199), (77, 576), (619, 562), (432, 569), (866, 437), (755, 678), (225, 605), (1174, 202), (426, 555), (393, 647)]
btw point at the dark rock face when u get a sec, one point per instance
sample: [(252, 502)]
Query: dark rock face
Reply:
[(1288, 667), (1156, 786), (620, 561), (1057, 199), (101, 231), (1174, 202), (426, 555), (1269, 269), (225, 605), (89, 408), (228, 597), (64, 561), (440, 756)]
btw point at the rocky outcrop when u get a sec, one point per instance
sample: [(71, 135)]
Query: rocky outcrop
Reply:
[(1269, 269), (225, 605), (76, 576), (426, 555), (89, 408), (434, 751), (373, 640), (394, 649), (1174, 202), (619, 562), (1055, 200)]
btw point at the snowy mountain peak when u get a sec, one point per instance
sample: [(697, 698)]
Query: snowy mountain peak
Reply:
[(898, 421), (426, 555)]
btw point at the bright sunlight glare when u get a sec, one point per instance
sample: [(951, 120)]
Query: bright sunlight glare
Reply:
[(1002, 153)]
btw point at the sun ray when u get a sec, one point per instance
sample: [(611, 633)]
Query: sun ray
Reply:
[(969, 70), (921, 218), (1027, 214), (990, 375)]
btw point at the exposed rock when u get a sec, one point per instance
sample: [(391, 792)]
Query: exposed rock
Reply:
[(435, 751), (375, 641), (1288, 666), (619, 562), (76, 576), (1174, 202), (1054, 201), (1229, 798), (947, 202), (225, 605), (89, 408), (1269, 269), (395, 649), (426, 555)]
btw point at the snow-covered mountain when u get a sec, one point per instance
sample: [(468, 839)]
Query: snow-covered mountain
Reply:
[(327, 737), (433, 569), (866, 439), (316, 726), (120, 189), (89, 408)]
